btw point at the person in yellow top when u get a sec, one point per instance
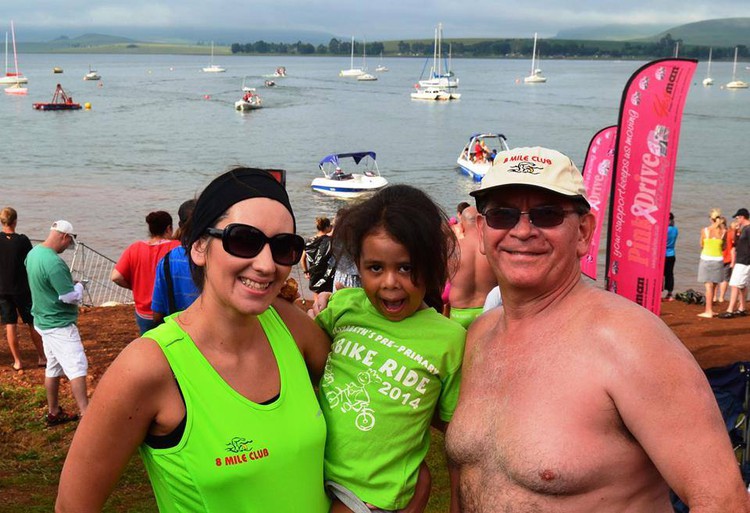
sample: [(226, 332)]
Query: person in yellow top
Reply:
[(711, 265)]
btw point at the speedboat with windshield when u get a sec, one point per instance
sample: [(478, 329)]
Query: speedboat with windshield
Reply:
[(349, 175), (478, 154)]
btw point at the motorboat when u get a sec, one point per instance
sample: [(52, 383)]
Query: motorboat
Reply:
[(279, 72), (92, 75), (434, 94), (349, 175), (478, 154), (352, 71), (736, 84), (536, 76), (60, 101), (213, 68), (250, 101), (57, 69), (15, 77), (366, 77), (439, 77), (708, 81), (269, 83)]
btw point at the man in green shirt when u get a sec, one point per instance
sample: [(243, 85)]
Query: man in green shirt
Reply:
[(55, 302)]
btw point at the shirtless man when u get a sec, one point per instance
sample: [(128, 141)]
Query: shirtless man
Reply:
[(474, 277), (574, 399), (456, 226)]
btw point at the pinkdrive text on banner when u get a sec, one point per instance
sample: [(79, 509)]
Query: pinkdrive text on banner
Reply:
[(645, 160)]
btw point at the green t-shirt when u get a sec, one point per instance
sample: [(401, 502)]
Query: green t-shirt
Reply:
[(382, 384), (236, 455), (49, 278)]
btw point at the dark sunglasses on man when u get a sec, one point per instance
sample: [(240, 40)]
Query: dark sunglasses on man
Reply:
[(245, 241), (505, 218)]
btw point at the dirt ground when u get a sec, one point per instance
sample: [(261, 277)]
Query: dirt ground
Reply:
[(105, 331), (32, 457)]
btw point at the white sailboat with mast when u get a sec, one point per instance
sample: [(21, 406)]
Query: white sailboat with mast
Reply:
[(365, 76), (708, 81), (12, 77), (736, 84), (16, 88), (536, 76), (352, 71), (381, 67), (444, 79), (213, 68)]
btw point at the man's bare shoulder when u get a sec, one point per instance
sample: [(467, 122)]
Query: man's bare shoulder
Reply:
[(624, 335), (613, 316)]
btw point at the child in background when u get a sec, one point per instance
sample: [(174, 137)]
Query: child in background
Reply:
[(395, 362)]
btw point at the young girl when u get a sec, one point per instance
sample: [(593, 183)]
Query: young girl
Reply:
[(395, 362)]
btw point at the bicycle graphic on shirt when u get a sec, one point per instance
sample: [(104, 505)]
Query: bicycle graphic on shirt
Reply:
[(354, 397)]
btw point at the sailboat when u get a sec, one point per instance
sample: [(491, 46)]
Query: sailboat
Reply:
[(365, 77), (439, 78), (708, 81), (536, 74), (213, 68), (381, 66), (12, 77), (736, 84), (92, 74), (352, 71)]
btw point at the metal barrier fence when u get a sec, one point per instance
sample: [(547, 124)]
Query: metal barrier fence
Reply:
[(94, 270)]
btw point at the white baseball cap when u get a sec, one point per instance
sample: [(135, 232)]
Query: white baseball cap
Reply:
[(63, 226), (536, 167)]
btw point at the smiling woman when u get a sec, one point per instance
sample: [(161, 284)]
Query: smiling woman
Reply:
[(212, 396)]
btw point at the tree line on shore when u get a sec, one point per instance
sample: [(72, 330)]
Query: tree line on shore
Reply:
[(550, 48)]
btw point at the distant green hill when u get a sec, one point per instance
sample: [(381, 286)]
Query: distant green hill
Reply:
[(695, 38), (86, 42), (721, 32), (611, 32), (727, 32)]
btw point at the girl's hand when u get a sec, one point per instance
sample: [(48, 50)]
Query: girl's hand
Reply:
[(320, 304)]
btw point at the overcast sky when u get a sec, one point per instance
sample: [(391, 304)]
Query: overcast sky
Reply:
[(373, 19)]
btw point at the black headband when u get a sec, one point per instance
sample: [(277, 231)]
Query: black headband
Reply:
[(232, 187)]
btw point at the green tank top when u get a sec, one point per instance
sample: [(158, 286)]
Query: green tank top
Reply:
[(236, 455)]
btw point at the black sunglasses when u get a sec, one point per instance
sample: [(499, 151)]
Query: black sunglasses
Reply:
[(245, 241), (505, 218)]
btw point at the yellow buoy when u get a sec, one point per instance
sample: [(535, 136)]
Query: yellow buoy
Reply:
[(87, 106)]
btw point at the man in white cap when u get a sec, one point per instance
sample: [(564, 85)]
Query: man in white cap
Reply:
[(740, 278), (574, 399), (55, 302)]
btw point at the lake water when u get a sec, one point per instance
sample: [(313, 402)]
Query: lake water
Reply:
[(159, 130)]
